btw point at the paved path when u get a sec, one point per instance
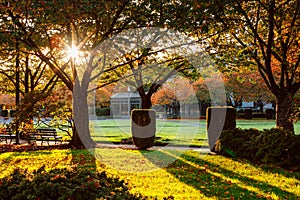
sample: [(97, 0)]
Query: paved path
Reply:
[(124, 146)]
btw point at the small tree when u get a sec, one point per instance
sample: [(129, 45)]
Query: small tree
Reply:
[(175, 92)]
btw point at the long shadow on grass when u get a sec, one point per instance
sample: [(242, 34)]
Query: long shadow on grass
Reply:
[(213, 180), (83, 159)]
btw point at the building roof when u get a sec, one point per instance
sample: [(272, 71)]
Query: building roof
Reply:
[(125, 95)]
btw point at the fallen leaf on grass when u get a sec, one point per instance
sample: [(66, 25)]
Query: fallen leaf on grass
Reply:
[(97, 185)]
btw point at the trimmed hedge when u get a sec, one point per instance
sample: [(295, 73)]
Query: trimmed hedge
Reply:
[(237, 143), (248, 114), (270, 114), (103, 111), (4, 113), (63, 184), (274, 146)]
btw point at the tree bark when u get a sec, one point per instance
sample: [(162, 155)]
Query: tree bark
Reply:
[(284, 110), (146, 101), (81, 133), (76, 141)]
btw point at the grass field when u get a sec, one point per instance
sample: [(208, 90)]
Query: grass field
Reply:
[(176, 132), (190, 175), (180, 132), (167, 173)]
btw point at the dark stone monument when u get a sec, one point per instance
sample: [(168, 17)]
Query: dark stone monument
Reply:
[(217, 120)]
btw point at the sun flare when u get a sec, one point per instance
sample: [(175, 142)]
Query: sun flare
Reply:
[(73, 52)]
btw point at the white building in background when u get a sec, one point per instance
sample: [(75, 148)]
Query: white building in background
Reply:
[(121, 104)]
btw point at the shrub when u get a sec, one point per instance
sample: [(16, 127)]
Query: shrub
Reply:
[(279, 147), (273, 146), (248, 114), (4, 113), (63, 184), (12, 113), (270, 113), (237, 143), (103, 111)]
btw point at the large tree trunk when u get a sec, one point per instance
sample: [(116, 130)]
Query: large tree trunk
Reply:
[(76, 141), (146, 101), (81, 135), (284, 109)]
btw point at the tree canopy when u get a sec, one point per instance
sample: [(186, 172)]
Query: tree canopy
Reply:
[(264, 36), (259, 35)]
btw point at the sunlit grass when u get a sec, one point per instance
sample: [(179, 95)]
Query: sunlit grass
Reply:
[(210, 177), (183, 132), (177, 132), (259, 124), (165, 173), (34, 160)]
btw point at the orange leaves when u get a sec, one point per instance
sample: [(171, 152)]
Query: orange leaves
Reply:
[(164, 96), (179, 89), (97, 185), (103, 96), (227, 192), (248, 86), (112, 193), (59, 176), (269, 197), (55, 41), (7, 99)]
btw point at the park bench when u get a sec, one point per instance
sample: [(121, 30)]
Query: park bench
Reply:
[(45, 134), (6, 134)]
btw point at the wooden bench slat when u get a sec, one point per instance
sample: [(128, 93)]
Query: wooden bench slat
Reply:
[(8, 135), (45, 134)]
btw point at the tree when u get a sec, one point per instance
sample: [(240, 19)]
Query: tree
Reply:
[(176, 89), (148, 78), (47, 31), (263, 35), (210, 87), (174, 93), (49, 28), (103, 96), (22, 71), (246, 85)]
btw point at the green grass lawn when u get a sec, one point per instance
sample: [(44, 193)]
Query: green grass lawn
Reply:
[(180, 132), (176, 132), (168, 173)]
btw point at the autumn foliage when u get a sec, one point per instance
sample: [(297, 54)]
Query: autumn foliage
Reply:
[(178, 89), (247, 85)]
